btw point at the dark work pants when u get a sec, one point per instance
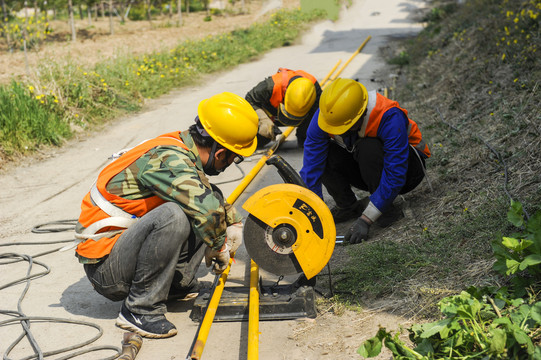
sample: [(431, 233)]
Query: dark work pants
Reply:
[(362, 169), (155, 253)]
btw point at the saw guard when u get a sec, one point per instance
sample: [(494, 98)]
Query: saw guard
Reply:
[(301, 208)]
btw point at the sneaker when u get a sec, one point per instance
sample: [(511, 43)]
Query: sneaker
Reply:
[(351, 212), (185, 293), (150, 326)]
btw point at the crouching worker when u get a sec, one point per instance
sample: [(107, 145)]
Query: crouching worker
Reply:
[(152, 215), (362, 139), (287, 98)]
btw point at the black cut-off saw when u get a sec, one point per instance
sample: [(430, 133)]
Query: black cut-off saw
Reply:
[(289, 231)]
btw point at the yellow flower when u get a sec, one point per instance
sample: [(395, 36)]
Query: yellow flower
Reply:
[(515, 80), (503, 56)]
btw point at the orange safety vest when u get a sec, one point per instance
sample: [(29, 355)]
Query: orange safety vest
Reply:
[(376, 109), (92, 213), (281, 80)]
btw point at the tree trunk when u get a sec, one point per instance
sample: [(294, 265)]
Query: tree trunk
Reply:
[(170, 9), (187, 2), (179, 11), (4, 25), (89, 14), (102, 7), (81, 16), (111, 17), (122, 11), (72, 21), (36, 11), (148, 5)]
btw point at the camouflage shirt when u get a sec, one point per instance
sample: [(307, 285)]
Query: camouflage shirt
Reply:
[(175, 174)]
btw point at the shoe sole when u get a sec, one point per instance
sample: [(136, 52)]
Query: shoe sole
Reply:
[(121, 322), (186, 297)]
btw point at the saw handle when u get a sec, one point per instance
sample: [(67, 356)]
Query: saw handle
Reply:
[(286, 171)]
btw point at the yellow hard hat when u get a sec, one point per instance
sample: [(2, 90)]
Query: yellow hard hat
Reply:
[(299, 97), (231, 121), (341, 104)]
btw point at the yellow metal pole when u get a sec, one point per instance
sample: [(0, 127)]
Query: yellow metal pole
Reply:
[(330, 73), (210, 312), (351, 58), (253, 315)]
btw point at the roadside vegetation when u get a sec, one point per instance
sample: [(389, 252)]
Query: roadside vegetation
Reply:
[(466, 261), (59, 100)]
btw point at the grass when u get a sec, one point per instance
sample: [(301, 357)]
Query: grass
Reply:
[(471, 81), (79, 98)]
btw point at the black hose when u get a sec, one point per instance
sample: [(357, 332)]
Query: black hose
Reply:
[(26, 321)]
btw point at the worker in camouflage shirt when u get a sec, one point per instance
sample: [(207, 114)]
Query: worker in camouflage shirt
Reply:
[(152, 215)]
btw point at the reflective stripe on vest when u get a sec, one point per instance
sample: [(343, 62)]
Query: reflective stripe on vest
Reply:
[(105, 216), (376, 108), (281, 80)]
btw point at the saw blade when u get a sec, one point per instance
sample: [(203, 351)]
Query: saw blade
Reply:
[(271, 248)]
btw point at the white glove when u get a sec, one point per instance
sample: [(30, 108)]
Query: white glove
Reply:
[(266, 126), (219, 257), (233, 236)]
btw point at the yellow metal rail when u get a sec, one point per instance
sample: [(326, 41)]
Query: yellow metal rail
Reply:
[(253, 313)]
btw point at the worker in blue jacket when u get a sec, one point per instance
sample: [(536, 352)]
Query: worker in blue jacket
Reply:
[(365, 140)]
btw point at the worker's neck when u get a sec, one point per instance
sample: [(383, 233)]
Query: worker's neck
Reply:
[(203, 154)]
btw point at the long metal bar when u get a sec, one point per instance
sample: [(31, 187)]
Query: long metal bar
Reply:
[(204, 327), (330, 73), (349, 60), (253, 313)]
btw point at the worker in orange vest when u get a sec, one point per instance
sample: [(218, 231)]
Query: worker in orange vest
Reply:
[(362, 139), (152, 215), (287, 98)]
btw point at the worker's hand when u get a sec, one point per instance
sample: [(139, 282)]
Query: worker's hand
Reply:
[(266, 126), (219, 257), (234, 236), (357, 232)]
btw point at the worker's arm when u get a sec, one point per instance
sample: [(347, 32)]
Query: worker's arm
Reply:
[(173, 175), (316, 148), (393, 132), (259, 96)]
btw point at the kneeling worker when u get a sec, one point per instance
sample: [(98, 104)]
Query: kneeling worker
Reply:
[(152, 215), (287, 98), (365, 140)]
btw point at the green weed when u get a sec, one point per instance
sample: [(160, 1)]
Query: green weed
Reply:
[(83, 97), (27, 121)]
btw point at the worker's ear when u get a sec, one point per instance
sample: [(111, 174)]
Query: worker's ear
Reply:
[(221, 155)]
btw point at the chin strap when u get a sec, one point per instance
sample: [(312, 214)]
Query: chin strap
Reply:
[(209, 166)]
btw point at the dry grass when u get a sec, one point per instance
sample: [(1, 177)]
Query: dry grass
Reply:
[(481, 117)]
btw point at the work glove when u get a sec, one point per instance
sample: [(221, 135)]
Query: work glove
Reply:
[(233, 235), (220, 258), (266, 126), (357, 232)]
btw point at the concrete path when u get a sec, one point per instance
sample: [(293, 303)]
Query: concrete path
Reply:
[(51, 190)]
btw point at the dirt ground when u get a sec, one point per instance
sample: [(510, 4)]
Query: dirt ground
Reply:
[(67, 173), (95, 43)]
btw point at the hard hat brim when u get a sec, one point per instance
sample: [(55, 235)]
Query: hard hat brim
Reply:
[(287, 118)]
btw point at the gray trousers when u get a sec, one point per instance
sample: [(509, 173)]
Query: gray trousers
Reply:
[(157, 252)]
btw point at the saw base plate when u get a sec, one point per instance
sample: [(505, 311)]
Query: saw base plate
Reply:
[(280, 302)]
